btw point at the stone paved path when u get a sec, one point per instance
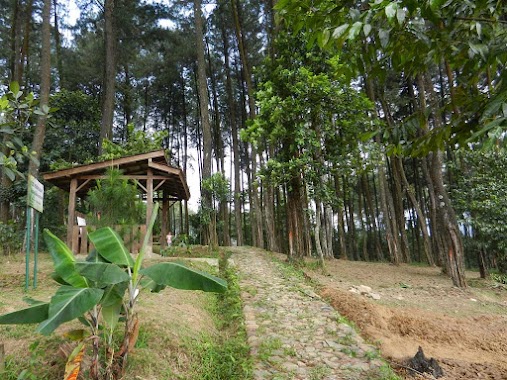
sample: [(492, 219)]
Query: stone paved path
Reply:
[(293, 334)]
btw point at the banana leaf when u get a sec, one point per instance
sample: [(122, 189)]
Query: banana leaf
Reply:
[(67, 304), (33, 314), (110, 246), (179, 276), (103, 274), (64, 261)]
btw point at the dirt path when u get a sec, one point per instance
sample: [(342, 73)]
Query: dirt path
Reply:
[(292, 332), (464, 329)]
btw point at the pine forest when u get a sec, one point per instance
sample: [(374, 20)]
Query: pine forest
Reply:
[(329, 132)]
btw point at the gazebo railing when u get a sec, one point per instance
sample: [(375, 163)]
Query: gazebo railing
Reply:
[(133, 236)]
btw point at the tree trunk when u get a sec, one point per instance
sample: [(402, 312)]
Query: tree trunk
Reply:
[(58, 46), (419, 212), (23, 58), (341, 224), (399, 210), (269, 212), (298, 246), (127, 100), (281, 219), (360, 209), (109, 81), (255, 210), (386, 203), (306, 217), (16, 64), (185, 147), (394, 193), (453, 244), (15, 41), (45, 87), (328, 215), (210, 237), (350, 218), (317, 229), (20, 38), (386, 206), (225, 238), (371, 216)]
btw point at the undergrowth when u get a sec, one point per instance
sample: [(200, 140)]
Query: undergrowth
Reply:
[(37, 365), (498, 278), (226, 356)]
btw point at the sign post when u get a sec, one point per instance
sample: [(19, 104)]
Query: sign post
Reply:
[(35, 205)]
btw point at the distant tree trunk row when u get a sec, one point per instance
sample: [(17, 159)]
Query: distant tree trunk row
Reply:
[(322, 177)]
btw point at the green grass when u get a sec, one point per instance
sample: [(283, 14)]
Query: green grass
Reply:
[(313, 265), (499, 278), (422, 264), (387, 373), (37, 365), (349, 352), (290, 351), (226, 356), (267, 347), (17, 331), (372, 355), (319, 372)]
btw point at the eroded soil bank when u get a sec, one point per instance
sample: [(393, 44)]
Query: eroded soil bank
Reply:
[(465, 330)]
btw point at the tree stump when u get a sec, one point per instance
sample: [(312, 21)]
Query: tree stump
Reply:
[(421, 364)]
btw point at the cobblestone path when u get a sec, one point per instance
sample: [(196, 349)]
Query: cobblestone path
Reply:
[(292, 332)]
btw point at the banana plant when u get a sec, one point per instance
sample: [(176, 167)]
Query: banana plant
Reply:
[(103, 289)]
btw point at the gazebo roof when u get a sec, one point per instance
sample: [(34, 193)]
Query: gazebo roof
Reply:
[(137, 167)]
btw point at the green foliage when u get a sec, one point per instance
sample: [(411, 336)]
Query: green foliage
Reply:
[(227, 356), (137, 142), (11, 238), (107, 285), (219, 187), (16, 109), (77, 117), (480, 195), (411, 38), (307, 108), (179, 276), (499, 278), (116, 200)]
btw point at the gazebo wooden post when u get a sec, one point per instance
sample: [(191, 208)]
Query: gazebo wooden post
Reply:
[(149, 205), (72, 211), (164, 225)]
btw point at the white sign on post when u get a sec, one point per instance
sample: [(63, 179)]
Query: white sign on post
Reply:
[(35, 197)]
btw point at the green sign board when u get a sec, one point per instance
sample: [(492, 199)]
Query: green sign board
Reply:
[(35, 201), (35, 197)]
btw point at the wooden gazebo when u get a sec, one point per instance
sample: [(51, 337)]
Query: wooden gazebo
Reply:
[(150, 171)]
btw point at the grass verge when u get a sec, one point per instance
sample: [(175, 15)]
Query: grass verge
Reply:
[(226, 356)]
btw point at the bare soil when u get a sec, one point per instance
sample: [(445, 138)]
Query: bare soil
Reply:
[(464, 329)]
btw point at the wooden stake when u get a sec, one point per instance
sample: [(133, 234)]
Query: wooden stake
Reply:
[(2, 358)]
